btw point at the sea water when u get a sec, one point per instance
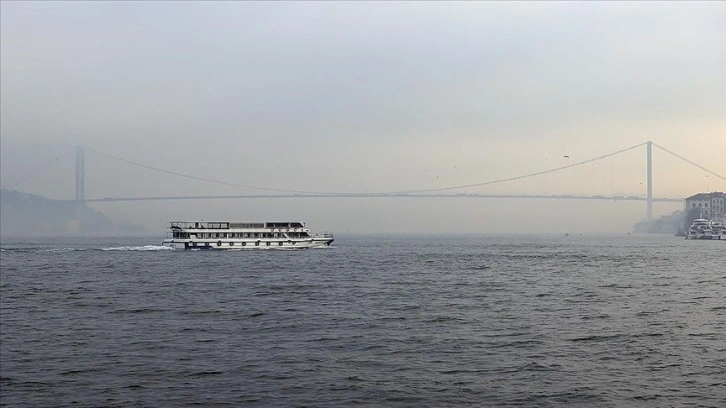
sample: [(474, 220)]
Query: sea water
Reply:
[(396, 320)]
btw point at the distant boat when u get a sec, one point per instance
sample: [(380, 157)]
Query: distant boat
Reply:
[(243, 235), (705, 229)]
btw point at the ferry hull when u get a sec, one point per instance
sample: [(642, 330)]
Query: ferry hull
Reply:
[(231, 244)]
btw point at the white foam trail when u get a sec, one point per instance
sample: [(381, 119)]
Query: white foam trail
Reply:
[(139, 248)]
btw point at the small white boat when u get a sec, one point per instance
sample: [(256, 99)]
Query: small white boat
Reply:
[(718, 229), (243, 235)]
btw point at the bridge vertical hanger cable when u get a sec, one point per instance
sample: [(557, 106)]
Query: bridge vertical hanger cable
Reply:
[(602, 176), (611, 180)]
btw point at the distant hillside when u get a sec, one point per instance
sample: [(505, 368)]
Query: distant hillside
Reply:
[(28, 214)]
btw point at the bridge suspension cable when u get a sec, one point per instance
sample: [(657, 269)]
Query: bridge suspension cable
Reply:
[(38, 169), (539, 173), (690, 162), (224, 183), (430, 190), (413, 191)]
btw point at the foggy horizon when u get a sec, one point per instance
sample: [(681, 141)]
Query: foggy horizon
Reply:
[(366, 97)]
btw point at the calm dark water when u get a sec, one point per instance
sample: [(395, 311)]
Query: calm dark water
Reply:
[(377, 321)]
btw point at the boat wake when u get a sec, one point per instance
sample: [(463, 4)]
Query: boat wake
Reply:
[(65, 250), (139, 248)]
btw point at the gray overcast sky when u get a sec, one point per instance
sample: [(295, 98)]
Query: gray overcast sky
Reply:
[(365, 96)]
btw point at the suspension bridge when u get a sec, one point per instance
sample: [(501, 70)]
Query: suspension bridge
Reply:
[(438, 192)]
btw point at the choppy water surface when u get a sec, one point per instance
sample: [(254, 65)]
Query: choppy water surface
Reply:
[(391, 321)]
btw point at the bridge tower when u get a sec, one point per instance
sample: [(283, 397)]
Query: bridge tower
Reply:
[(80, 176), (650, 179)]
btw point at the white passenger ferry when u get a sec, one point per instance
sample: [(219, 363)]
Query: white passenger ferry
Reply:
[(243, 235)]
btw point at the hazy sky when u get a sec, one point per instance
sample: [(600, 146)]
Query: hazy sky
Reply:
[(367, 97)]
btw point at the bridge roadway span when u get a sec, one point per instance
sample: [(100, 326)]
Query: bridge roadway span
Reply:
[(383, 195)]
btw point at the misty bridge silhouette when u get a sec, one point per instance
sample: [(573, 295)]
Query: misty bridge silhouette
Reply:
[(438, 192)]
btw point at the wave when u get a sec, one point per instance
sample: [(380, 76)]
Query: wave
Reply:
[(139, 248), (65, 250), (41, 250), (602, 337), (61, 250)]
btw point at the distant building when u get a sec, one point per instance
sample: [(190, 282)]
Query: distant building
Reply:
[(711, 205)]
